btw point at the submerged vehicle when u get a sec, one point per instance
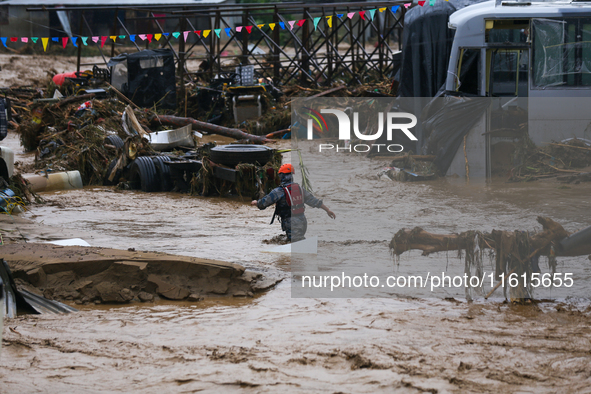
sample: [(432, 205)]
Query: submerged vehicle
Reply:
[(532, 60)]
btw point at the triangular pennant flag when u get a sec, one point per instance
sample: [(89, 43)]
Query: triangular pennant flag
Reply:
[(291, 23), (228, 31), (395, 8), (422, 3), (176, 34), (149, 37), (122, 37), (217, 32), (238, 29), (362, 14), (198, 32), (351, 15), (329, 20), (142, 37), (25, 39), (95, 39), (44, 40), (206, 33), (64, 41), (157, 36), (132, 37), (316, 20), (260, 26), (114, 38), (248, 29), (272, 26), (55, 39), (165, 34), (74, 39), (34, 39), (3, 40), (185, 35), (301, 22), (103, 40), (372, 13), (406, 5), (340, 16), (84, 40), (13, 39), (282, 24), (383, 9), (431, 2)]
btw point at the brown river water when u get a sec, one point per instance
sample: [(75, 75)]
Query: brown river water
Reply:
[(275, 342)]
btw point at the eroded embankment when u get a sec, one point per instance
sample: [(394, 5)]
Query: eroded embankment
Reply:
[(101, 275)]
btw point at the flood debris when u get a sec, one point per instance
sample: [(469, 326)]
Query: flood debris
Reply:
[(515, 252), (85, 275)]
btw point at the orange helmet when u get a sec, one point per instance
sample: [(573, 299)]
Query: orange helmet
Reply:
[(286, 169)]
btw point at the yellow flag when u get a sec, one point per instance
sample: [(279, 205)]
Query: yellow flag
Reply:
[(260, 26), (157, 36), (329, 20), (383, 9), (113, 38), (206, 33), (272, 26), (44, 40)]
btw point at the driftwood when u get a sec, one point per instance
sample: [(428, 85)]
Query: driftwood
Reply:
[(208, 128), (542, 242)]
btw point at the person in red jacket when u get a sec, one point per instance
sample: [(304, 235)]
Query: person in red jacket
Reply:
[(290, 199)]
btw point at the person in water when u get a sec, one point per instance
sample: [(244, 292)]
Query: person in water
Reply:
[(290, 200)]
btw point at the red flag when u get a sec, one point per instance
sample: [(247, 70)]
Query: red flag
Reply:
[(362, 14), (198, 32), (149, 37), (103, 40), (422, 3), (248, 29), (13, 39), (64, 41), (301, 22)]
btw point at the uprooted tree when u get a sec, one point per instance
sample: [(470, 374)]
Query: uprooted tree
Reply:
[(513, 251)]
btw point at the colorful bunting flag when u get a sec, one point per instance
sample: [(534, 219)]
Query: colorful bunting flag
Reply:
[(206, 33), (260, 26), (301, 22), (25, 39), (113, 38), (74, 39), (362, 14), (3, 40), (431, 2), (282, 24), (248, 29), (316, 20), (142, 37), (176, 34), (34, 39), (44, 40), (395, 8), (329, 20), (13, 39), (198, 32), (83, 40), (238, 29), (406, 5), (421, 3), (131, 38), (122, 37), (157, 36), (351, 15), (217, 32), (291, 23), (64, 41), (95, 39), (103, 40), (165, 34), (185, 35), (272, 26), (149, 37), (383, 9), (372, 13), (55, 39), (340, 16)]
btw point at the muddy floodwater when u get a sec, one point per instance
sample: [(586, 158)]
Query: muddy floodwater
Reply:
[(277, 343)]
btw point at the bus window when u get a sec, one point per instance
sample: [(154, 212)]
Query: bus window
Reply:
[(508, 72), (469, 71)]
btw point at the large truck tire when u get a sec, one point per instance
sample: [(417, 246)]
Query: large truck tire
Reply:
[(143, 174), (232, 155)]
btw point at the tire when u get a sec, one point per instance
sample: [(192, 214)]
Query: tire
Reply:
[(232, 155), (163, 172), (115, 181), (114, 140), (143, 175)]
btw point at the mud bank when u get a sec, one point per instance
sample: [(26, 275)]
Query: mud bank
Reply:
[(101, 275)]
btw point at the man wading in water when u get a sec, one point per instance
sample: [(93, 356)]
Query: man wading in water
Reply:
[(290, 198)]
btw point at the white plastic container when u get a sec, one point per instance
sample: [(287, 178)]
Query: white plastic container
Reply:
[(56, 181)]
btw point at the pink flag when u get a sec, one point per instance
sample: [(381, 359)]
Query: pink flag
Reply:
[(185, 35), (291, 23), (238, 29), (142, 36), (351, 15), (25, 39), (95, 39)]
